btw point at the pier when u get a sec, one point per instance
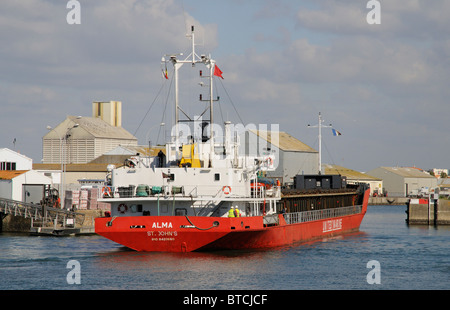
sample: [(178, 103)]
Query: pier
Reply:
[(428, 211), (388, 200), (44, 220)]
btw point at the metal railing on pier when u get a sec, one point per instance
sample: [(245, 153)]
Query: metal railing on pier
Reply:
[(42, 216), (308, 216)]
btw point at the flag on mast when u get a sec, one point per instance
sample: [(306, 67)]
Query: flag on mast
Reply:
[(217, 72), (165, 74), (335, 132)]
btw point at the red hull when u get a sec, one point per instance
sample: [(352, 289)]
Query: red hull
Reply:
[(177, 234)]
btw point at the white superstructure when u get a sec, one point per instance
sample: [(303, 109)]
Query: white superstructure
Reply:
[(200, 174)]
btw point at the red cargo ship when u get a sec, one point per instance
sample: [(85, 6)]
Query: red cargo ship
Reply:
[(200, 233), (185, 198)]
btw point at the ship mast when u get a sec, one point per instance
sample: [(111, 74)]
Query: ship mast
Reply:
[(319, 125), (193, 59)]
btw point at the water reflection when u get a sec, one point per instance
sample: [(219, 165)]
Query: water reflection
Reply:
[(411, 257), (239, 269)]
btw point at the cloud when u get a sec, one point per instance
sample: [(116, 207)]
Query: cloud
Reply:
[(384, 86), (111, 33), (402, 20), (334, 17), (50, 69), (289, 61)]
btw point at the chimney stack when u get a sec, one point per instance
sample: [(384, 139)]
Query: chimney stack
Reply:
[(110, 112)]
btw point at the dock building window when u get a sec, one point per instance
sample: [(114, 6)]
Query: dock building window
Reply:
[(6, 165)]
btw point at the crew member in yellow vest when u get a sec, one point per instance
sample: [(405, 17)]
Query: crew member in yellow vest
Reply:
[(237, 213), (231, 212)]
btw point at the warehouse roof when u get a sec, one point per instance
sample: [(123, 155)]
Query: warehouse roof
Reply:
[(143, 150), (285, 142), (102, 167), (11, 174), (94, 126), (408, 172), (349, 173), (445, 182), (121, 153), (6, 150), (101, 129)]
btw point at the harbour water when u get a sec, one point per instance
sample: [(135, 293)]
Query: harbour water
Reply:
[(409, 257)]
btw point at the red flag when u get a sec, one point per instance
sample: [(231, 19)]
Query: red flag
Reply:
[(218, 72)]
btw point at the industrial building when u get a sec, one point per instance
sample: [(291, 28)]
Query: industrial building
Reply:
[(11, 160), (80, 139), (444, 187), (23, 185), (354, 177), (17, 179), (404, 181), (291, 156), (95, 171)]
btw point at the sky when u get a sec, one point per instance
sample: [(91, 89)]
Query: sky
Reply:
[(384, 86)]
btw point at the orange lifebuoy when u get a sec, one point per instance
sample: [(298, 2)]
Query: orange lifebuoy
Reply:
[(106, 191), (122, 208), (226, 190)]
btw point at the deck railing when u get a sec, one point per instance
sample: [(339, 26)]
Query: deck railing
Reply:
[(132, 191), (315, 215)]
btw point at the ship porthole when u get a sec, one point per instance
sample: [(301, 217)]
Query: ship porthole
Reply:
[(122, 208)]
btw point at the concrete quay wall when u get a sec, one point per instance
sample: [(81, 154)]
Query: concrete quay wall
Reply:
[(421, 213), (11, 223), (443, 214), (388, 200)]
